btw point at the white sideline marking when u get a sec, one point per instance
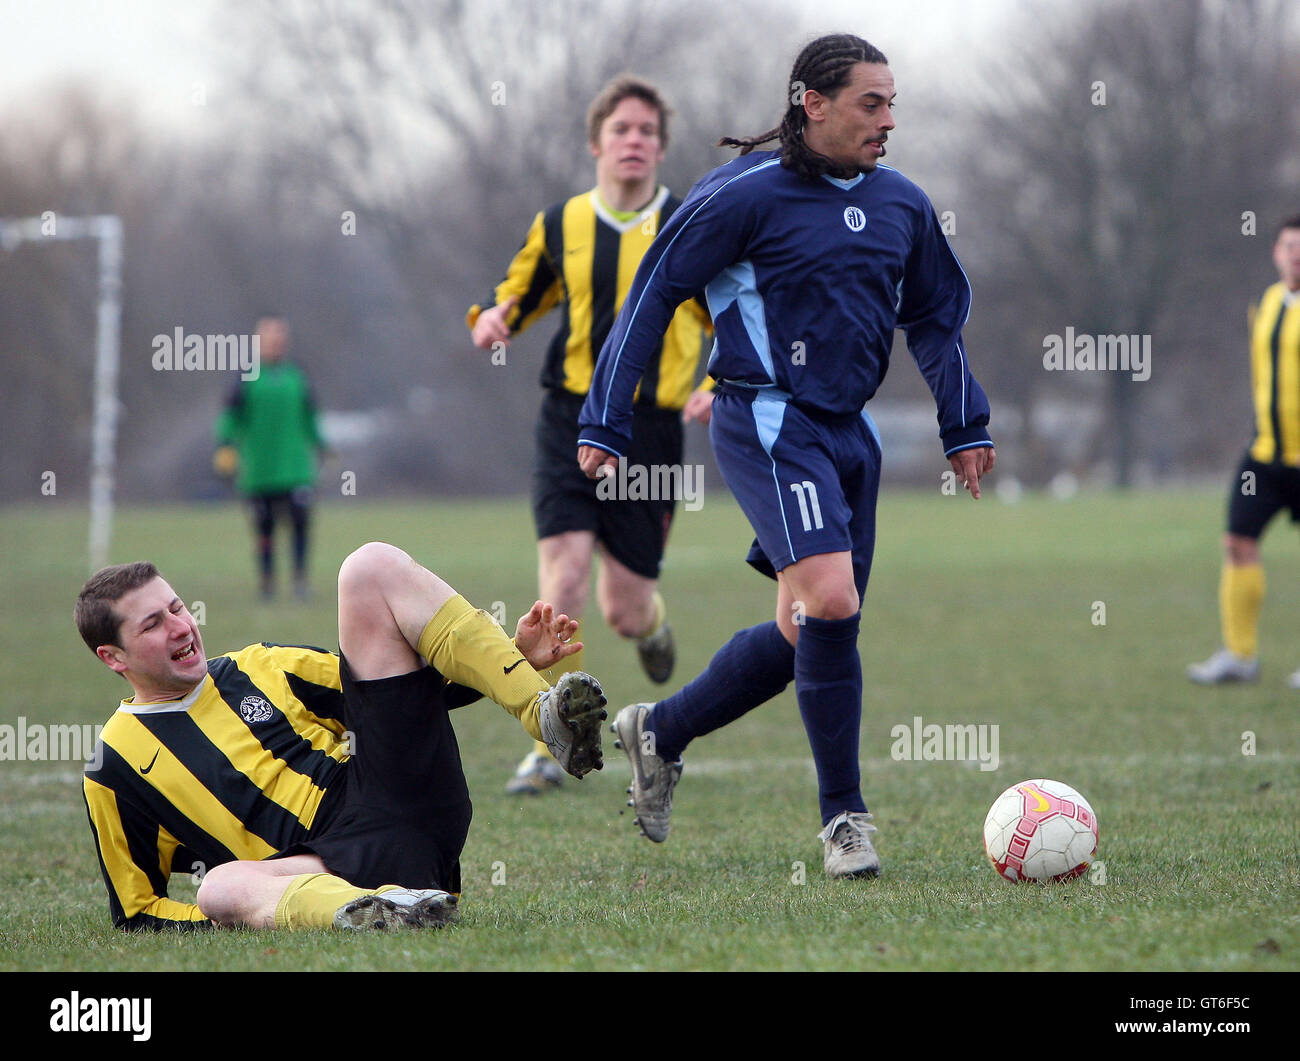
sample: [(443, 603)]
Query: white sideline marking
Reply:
[(38, 808), (44, 777), (804, 762), (739, 766)]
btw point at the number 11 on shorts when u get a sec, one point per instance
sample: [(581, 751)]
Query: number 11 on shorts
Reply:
[(806, 492)]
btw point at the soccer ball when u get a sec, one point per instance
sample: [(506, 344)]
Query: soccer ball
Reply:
[(1040, 830)]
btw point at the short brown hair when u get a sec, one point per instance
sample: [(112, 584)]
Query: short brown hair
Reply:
[(97, 623), (1291, 222), (618, 89)]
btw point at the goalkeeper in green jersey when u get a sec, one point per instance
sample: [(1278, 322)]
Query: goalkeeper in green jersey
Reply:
[(267, 435)]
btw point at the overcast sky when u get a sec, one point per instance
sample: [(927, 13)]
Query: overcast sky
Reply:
[(155, 52), (148, 51)]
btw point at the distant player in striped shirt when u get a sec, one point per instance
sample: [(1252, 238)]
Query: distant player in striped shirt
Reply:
[(1268, 478), (581, 255), (304, 788), (810, 256)]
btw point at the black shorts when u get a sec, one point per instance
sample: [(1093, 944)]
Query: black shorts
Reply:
[(401, 810), (1258, 493), (634, 533)]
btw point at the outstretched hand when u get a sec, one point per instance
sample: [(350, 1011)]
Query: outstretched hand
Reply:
[(971, 465), (544, 638)]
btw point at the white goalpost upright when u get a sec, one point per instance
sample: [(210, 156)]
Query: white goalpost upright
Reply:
[(107, 229)]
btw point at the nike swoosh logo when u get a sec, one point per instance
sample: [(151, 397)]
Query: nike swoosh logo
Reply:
[(146, 769), (1043, 805), (512, 666)]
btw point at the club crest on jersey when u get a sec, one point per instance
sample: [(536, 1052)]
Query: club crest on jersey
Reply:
[(855, 219), (254, 709)]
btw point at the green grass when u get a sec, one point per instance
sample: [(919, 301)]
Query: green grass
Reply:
[(977, 613)]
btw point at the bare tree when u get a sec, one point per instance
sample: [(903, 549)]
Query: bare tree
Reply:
[(402, 104), (444, 125), (1119, 156)]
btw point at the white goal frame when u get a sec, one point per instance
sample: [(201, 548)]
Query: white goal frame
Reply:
[(107, 229)]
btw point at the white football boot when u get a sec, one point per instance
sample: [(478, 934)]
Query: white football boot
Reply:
[(653, 779), (1224, 667), (847, 850), (570, 714), (399, 909), (536, 774)]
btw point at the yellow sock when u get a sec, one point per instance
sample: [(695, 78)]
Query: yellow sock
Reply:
[(1241, 594), (661, 613), (312, 900), (469, 648), (552, 674)]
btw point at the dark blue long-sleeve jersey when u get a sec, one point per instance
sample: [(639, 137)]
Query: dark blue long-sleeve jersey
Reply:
[(806, 281)]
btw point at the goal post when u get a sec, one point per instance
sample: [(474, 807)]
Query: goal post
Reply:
[(107, 229)]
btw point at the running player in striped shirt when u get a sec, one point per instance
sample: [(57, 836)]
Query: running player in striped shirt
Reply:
[(581, 255), (1268, 478)]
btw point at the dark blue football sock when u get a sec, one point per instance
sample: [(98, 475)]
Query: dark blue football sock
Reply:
[(750, 669), (828, 683)]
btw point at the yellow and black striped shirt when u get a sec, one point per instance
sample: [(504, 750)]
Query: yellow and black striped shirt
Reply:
[(234, 770), (580, 256), (1275, 376)]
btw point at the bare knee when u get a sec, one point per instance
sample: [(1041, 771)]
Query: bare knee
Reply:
[(1240, 551), (223, 894), (821, 587), (370, 566), (842, 604), (626, 617), (831, 599)]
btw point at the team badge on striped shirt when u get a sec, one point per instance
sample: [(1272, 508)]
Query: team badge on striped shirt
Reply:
[(254, 709)]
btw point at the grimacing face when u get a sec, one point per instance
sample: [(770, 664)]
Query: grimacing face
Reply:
[(851, 127), (629, 148), (161, 650)]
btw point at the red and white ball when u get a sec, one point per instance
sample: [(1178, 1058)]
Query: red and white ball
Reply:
[(1040, 830)]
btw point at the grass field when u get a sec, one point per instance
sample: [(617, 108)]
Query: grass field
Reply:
[(977, 613)]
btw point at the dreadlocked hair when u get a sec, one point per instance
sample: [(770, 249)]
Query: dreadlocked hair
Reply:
[(823, 66)]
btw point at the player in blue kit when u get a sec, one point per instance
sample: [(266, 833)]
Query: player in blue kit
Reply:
[(810, 256)]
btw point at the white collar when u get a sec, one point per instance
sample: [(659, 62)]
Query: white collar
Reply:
[(183, 704), (651, 208)]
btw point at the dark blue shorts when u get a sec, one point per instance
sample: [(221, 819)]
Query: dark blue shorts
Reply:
[(808, 484)]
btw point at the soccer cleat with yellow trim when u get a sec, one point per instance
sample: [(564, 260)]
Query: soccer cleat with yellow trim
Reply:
[(535, 775), (653, 779), (399, 909), (847, 850), (1222, 667), (658, 654), (570, 714)]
